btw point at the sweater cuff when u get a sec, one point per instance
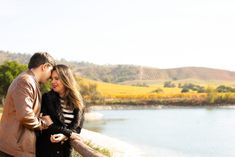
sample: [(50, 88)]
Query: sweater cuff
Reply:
[(67, 132)]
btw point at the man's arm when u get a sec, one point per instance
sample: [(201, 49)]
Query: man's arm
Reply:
[(23, 99)]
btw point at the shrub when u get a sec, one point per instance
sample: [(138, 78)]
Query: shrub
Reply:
[(169, 84), (224, 89)]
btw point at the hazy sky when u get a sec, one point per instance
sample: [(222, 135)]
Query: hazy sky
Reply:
[(156, 33)]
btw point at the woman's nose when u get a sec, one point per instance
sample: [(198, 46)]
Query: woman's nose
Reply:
[(52, 81)]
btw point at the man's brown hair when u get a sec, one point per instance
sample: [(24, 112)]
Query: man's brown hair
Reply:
[(40, 58)]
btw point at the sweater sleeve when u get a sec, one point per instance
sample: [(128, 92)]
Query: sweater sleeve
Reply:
[(81, 121), (68, 131), (53, 128)]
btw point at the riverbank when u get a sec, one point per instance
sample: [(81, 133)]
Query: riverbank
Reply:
[(117, 147), (178, 100), (147, 107)]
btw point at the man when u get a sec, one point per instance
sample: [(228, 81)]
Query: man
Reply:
[(20, 118)]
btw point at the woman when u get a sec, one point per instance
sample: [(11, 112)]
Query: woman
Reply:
[(65, 107)]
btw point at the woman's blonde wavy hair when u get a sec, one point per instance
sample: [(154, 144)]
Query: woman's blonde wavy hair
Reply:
[(72, 96)]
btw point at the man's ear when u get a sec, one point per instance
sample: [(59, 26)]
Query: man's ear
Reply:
[(43, 67)]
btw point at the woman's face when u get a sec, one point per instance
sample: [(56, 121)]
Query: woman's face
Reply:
[(56, 83)]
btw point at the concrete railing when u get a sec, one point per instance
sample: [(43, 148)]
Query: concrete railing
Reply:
[(84, 149)]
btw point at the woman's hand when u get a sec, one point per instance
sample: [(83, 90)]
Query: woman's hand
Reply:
[(75, 136), (56, 138)]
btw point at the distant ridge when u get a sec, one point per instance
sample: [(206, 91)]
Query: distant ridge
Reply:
[(122, 73)]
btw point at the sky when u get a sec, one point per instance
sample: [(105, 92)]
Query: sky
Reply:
[(154, 33)]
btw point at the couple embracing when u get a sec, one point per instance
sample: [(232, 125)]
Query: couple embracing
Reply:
[(42, 126)]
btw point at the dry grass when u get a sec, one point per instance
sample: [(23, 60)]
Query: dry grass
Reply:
[(112, 92), (103, 151), (109, 90)]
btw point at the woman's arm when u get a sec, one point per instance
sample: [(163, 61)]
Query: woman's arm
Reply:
[(54, 129), (78, 124), (72, 133)]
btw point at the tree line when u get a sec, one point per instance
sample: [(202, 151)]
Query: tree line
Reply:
[(187, 87), (9, 70)]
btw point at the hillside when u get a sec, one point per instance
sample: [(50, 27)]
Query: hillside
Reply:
[(130, 73)]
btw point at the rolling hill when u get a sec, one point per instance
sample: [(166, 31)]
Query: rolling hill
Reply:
[(130, 73)]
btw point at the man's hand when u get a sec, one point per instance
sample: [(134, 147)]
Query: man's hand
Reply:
[(47, 121), (58, 138)]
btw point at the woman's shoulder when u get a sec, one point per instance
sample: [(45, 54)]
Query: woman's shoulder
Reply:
[(50, 95), (50, 101)]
